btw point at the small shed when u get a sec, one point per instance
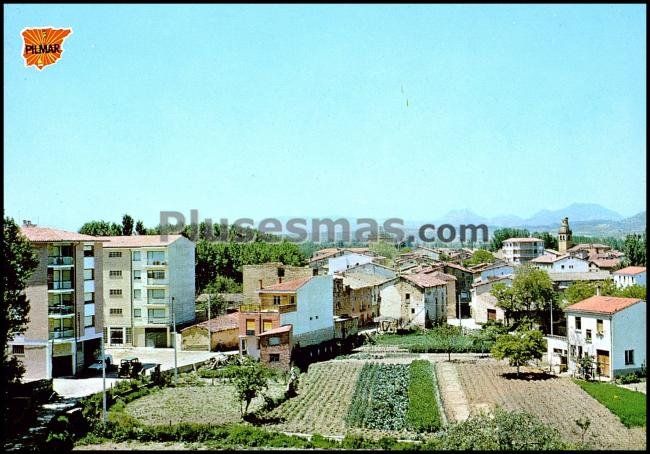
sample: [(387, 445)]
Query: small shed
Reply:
[(221, 331), (386, 324), (345, 326)]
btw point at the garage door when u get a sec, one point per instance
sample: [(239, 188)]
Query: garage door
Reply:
[(61, 366), (155, 338)]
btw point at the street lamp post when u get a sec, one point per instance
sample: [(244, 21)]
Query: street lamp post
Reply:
[(175, 356)]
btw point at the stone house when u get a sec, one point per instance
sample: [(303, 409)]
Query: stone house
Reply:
[(256, 277), (217, 334)]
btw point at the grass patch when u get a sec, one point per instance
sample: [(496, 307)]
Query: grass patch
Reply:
[(629, 406), (422, 414), (432, 341)]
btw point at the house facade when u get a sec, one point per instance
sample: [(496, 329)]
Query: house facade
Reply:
[(65, 295), (483, 305), (146, 277), (256, 277), (631, 275), (561, 264), (610, 329), (522, 250), (217, 334), (301, 310)]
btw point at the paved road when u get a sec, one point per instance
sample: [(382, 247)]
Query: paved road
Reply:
[(149, 356)]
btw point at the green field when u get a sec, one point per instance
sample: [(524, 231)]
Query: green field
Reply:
[(629, 406), (430, 342)]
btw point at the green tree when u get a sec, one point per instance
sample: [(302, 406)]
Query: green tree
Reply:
[(447, 336), (520, 347), (127, 225), (550, 241), (581, 290), (384, 249), (480, 256), (586, 365), (634, 249), (250, 379), (500, 235), (101, 228), (140, 229), (530, 295), (633, 291), (18, 263)]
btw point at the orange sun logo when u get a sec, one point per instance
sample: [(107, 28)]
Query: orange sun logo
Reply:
[(43, 46)]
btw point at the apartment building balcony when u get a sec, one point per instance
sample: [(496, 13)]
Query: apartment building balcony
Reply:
[(59, 311), (158, 320), (281, 308), (155, 263), (60, 285), (153, 281), (61, 334), (60, 261), (158, 302)]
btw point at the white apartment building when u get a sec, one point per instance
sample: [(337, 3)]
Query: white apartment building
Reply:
[(145, 276), (632, 275), (561, 263), (610, 329), (521, 250)]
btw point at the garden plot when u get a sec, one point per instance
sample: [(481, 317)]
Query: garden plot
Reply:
[(216, 404), (556, 401), (324, 394)]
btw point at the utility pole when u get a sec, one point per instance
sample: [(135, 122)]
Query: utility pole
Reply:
[(551, 318), (460, 315), (175, 347), (103, 356), (209, 332)]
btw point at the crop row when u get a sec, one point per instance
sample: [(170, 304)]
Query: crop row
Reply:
[(422, 412)]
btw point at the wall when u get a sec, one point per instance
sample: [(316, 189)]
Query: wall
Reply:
[(283, 350), (123, 302), (313, 321), (578, 337), (497, 271), (629, 333), (268, 273), (36, 293), (626, 280), (195, 338), (391, 301), (181, 270), (225, 340)]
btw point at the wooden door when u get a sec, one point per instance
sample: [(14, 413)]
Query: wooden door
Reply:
[(602, 357), (492, 314)]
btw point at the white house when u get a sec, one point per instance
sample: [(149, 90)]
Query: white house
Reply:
[(610, 329), (561, 263), (522, 250), (483, 305), (632, 275)]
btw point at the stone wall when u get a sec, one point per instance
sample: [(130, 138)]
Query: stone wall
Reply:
[(269, 274)]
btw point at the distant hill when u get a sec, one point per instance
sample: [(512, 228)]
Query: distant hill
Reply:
[(575, 212)]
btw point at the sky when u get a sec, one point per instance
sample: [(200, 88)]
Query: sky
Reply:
[(257, 111)]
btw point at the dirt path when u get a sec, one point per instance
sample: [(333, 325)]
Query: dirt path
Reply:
[(454, 400)]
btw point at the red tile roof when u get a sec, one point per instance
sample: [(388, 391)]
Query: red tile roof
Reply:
[(631, 270), (139, 240), (602, 304), (37, 234), (221, 323), (425, 279), (288, 286), (282, 329)]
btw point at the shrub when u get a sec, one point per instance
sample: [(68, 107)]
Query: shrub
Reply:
[(629, 378), (422, 412)]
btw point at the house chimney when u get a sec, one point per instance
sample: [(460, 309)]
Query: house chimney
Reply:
[(598, 290)]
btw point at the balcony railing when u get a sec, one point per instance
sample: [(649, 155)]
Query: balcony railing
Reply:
[(157, 301), (60, 261), (60, 310), (158, 320), (153, 281), (61, 334), (281, 308), (59, 285), (156, 262)]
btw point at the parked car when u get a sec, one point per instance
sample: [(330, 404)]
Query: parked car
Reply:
[(96, 366)]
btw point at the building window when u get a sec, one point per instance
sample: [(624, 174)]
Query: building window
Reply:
[(157, 314), (156, 257), (413, 310), (578, 323), (588, 335), (115, 311), (629, 357), (89, 275), (89, 321), (579, 351), (274, 340), (276, 300), (19, 350), (105, 334), (280, 272), (274, 358), (292, 300), (599, 327), (260, 283), (136, 256), (408, 296), (155, 274), (89, 297), (250, 327), (137, 313), (115, 274), (89, 251), (136, 275), (117, 336), (115, 292), (156, 293), (137, 293), (114, 254), (267, 325), (129, 335)]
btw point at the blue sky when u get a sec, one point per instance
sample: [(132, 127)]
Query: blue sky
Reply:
[(321, 110)]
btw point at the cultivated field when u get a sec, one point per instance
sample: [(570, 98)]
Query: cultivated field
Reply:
[(197, 404), (556, 401), (324, 394)]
